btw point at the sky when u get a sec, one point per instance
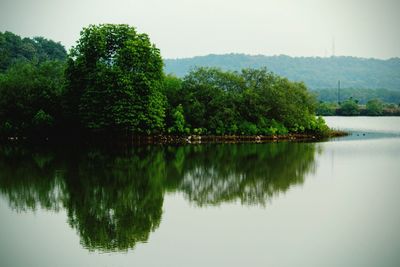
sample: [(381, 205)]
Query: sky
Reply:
[(186, 28)]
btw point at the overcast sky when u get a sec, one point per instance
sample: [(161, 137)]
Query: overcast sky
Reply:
[(185, 28)]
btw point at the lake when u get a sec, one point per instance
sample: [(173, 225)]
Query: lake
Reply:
[(334, 203)]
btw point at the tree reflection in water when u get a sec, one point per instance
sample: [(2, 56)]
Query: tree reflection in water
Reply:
[(251, 173), (114, 198)]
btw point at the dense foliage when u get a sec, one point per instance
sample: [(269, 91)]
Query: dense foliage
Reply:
[(316, 72), (13, 48), (251, 102), (114, 77), (30, 98), (113, 82)]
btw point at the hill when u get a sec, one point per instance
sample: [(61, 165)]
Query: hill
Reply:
[(14, 49), (316, 72)]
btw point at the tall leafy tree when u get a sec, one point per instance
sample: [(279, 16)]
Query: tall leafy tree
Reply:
[(115, 76)]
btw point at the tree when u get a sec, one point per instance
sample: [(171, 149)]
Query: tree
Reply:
[(115, 76), (30, 97), (209, 99), (326, 109), (179, 124), (275, 97), (172, 89), (254, 101), (349, 107), (374, 107)]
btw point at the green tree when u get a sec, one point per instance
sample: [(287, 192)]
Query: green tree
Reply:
[(30, 98), (115, 77), (207, 98), (326, 109), (374, 107), (274, 97), (179, 123), (172, 89), (349, 107), (254, 101)]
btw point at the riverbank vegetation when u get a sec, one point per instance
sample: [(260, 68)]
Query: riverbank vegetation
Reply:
[(112, 82), (363, 95), (352, 107)]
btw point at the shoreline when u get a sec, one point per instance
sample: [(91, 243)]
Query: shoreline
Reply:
[(181, 140), (230, 139)]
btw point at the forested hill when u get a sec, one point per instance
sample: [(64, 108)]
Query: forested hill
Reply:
[(14, 49), (316, 72)]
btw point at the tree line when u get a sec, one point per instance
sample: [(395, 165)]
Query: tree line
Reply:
[(352, 107), (363, 95), (112, 81)]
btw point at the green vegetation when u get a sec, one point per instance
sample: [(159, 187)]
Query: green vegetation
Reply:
[(374, 107), (38, 49), (363, 95), (351, 107), (247, 103), (357, 75), (326, 109), (114, 78), (30, 98), (113, 83), (315, 72)]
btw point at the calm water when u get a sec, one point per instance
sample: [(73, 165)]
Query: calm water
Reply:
[(333, 203)]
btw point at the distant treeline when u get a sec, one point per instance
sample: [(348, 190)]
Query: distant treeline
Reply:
[(112, 81), (352, 107), (315, 72), (362, 95)]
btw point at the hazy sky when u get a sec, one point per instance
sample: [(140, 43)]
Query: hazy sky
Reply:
[(182, 28)]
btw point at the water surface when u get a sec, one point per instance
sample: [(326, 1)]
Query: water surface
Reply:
[(332, 203)]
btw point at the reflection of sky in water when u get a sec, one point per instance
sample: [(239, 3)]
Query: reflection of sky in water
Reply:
[(366, 127), (365, 124)]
